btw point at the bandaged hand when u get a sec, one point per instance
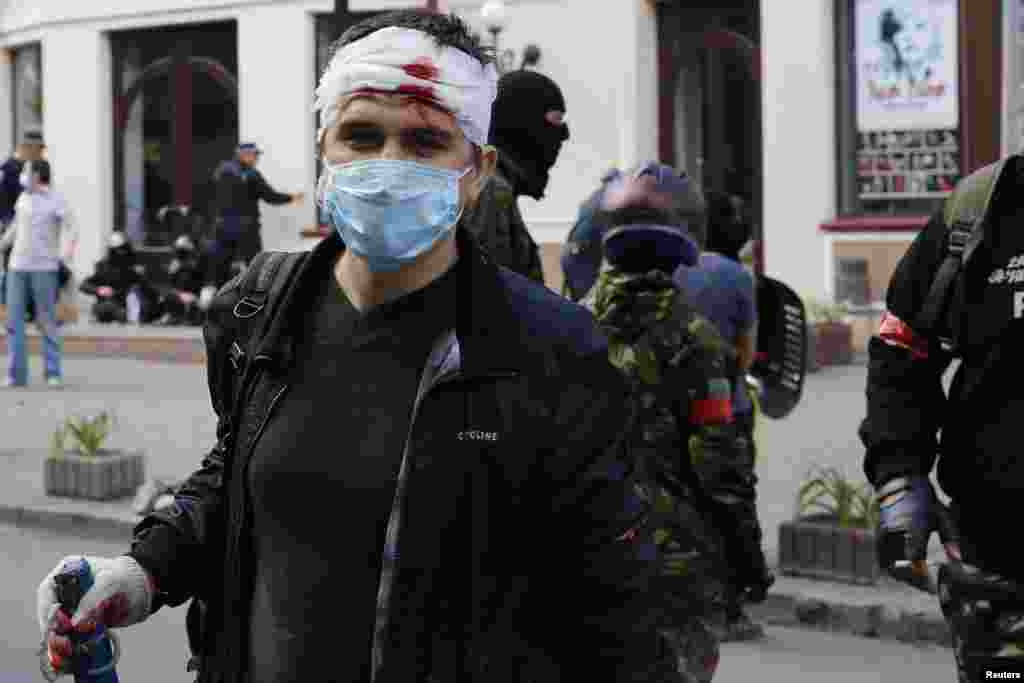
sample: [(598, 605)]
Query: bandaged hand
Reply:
[(121, 595)]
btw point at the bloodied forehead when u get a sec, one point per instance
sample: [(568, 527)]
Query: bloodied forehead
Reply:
[(394, 109)]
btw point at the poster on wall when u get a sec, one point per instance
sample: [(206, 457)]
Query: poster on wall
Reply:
[(908, 112)]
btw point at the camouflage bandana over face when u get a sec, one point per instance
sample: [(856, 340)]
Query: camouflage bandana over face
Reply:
[(627, 306)]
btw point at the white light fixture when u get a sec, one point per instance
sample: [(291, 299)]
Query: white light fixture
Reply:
[(495, 14)]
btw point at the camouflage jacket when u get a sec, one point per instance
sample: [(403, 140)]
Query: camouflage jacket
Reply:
[(499, 228), (682, 373)]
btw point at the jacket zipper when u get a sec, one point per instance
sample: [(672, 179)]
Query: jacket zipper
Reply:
[(421, 395)]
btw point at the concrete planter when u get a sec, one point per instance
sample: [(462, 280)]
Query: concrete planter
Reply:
[(110, 475), (833, 343), (812, 349), (816, 546)]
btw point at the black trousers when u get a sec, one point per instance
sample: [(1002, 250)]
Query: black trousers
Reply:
[(236, 239)]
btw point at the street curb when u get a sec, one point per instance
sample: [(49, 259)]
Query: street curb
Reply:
[(879, 621), (67, 522)]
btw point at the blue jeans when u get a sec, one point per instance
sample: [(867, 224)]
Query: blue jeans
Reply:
[(41, 286)]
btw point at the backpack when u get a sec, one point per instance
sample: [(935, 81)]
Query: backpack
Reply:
[(966, 215), (262, 285)]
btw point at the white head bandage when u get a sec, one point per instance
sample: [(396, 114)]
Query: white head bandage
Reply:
[(408, 62)]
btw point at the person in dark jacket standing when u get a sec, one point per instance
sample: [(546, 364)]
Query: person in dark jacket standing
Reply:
[(441, 403), (239, 188), (978, 466), (528, 128)]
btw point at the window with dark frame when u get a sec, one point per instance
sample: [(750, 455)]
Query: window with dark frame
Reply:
[(898, 118), (26, 89)]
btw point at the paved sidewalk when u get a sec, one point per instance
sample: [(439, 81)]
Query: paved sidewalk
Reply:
[(163, 409)]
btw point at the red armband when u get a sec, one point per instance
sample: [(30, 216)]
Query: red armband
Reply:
[(895, 332), (716, 407)]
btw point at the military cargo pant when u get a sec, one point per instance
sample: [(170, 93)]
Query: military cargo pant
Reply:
[(691, 594)]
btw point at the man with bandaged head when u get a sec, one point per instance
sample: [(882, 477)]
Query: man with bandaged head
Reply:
[(441, 405), (528, 128)]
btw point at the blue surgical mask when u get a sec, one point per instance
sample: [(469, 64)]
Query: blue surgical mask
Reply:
[(391, 211)]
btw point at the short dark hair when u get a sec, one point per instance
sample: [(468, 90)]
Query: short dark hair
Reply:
[(42, 167), (447, 30), (728, 229)]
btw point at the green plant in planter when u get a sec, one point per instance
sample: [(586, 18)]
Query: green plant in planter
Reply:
[(87, 434), (826, 312), (826, 490)]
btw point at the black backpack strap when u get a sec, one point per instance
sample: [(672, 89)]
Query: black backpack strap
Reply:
[(266, 278), (264, 281), (966, 214)]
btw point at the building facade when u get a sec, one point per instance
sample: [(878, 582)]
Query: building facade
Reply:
[(139, 99)]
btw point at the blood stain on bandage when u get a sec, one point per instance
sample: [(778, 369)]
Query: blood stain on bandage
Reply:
[(423, 68)]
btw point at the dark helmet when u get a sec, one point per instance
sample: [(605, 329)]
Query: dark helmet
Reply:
[(660, 206), (650, 212)]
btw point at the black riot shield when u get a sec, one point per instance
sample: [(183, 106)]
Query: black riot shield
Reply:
[(781, 362)]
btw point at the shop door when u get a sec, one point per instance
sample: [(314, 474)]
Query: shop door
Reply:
[(710, 101), (175, 119)]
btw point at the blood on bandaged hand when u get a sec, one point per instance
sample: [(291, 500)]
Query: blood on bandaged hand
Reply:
[(112, 611)]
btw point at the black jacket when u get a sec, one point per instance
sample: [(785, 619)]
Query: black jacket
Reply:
[(520, 513), (978, 464), (239, 191), (121, 276), (10, 187), (498, 226)]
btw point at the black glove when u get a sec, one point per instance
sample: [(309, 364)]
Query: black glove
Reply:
[(756, 590), (909, 513)]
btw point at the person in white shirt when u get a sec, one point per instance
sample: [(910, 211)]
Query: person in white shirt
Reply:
[(41, 219)]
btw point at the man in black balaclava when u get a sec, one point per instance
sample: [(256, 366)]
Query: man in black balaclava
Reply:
[(528, 128)]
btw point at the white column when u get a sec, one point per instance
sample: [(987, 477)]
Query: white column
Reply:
[(78, 125), (799, 100), (638, 88), (275, 96)]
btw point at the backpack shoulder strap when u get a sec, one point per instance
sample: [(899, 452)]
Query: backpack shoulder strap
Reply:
[(266, 278), (965, 216)]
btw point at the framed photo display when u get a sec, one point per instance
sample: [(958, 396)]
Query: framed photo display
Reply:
[(908, 114)]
